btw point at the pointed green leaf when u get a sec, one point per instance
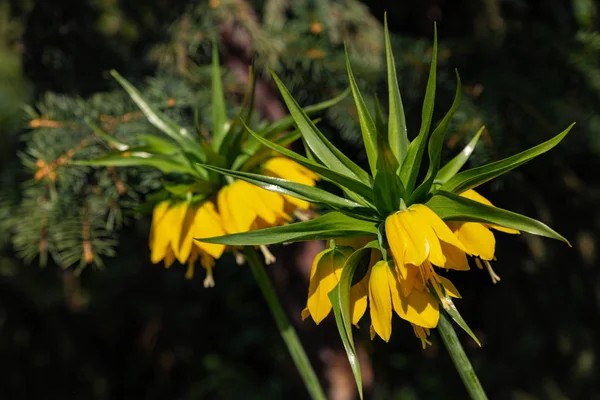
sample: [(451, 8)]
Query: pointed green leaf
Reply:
[(452, 207), (340, 300), (398, 137), (327, 153), (158, 145), (454, 165), (286, 122), (414, 155), (476, 176), (436, 142), (387, 186), (329, 226), (105, 135), (339, 179), (133, 158), (455, 315), (219, 116), (303, 192), (160, 121), (367, 127)]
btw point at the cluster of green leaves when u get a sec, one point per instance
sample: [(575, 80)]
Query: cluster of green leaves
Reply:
[(188, 160), (392, 184)]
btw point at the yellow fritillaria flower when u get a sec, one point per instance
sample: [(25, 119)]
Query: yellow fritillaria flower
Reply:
[(418, 240), (477, 238), (174, 227), (325, 274)]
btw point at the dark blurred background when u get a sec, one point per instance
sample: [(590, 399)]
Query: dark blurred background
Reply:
[(135, 330)]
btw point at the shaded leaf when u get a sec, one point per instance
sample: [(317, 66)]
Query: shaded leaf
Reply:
[(454, 165)]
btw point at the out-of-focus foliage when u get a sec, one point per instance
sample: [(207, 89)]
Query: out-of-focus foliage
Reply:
[(134, 330)]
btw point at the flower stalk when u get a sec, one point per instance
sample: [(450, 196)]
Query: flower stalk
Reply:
[(459, 358), (286, 329)]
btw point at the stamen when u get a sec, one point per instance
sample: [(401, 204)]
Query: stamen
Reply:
[(239, 257), (189, 273), (493, 275), (302, 215), (478, 262), (209, 280), (422, 334), (269, 257)]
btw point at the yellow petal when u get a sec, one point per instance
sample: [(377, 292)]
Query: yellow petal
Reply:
[(380, 300), (476, 237), (207, 223), (473, 195), (407, 276), (169, 258), (419, 308), (455, 258), (236, 216), (158, 214), (439, 227), (324, 276), (290, 170), (358, 298), (186, 236), (504, 229), (449, 287)]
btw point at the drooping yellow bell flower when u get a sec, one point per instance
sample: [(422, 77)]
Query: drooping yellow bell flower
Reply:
[(385, 295), (419, 240), (174, 227), (325, 274), (477, 237)]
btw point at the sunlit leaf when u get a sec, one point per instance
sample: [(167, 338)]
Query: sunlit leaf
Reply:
[(454, 165), (219, 116), (339, 179), (303, 192), (436, 142), (452, 207), (329, 226), (476, 176), (397, 136), (326, 152), (367, 127), (414, 155)]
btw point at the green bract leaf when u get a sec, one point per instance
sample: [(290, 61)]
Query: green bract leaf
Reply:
[(452, 207), (286, 122), (397, 136), (387, 186), (412, 163), (436, 142), (340, 300), (329, 226), (160, 121), (132, 157), (476, 176), (327, 153), (454, 165), (367, 127), (303, 192), (106, 136), (339, 179), (158, 145), (219, 116)]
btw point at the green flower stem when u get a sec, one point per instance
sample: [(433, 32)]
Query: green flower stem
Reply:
[(285, 327), (459, 358)]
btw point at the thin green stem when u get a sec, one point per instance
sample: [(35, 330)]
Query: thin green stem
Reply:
[(288, 333), (459, 358)]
